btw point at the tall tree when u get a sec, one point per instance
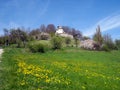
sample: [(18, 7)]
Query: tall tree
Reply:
[(98, 36)]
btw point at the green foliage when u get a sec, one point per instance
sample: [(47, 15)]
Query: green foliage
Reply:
[(109, 42), (15, 36), (68, 41), (98, 36), (117, 42), (2, 41), (57, 42), (105, 48), (76, 41), (19, 43), (38, 47)]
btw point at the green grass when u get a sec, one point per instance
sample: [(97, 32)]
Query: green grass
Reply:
[(66, 69)]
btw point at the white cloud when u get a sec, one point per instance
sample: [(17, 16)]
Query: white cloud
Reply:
[(106, 24)]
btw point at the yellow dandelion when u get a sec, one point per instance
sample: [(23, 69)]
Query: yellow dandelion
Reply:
[(47, 80)]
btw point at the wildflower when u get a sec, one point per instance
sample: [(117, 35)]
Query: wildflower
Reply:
[(47, 80), (37, 75)]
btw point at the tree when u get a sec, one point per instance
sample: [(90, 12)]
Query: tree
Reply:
[(17, 36), (76, 38), (2, 40), (67, 40), (51, 29), (56, 42), (42, 28), (73, 32), (34, 32), (107, 40), (98, 36), (79, 34), (6, 37), (67, 29), (117, 42), (76, 33)]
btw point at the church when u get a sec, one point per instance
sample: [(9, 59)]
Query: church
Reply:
[(60, 32)]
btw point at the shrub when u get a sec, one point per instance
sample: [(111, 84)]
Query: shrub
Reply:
[(109, 42), (67, 40), (56, 42), (105, 48), (38, 48)]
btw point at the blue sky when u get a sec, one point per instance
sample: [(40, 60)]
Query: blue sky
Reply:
[(84, 15)]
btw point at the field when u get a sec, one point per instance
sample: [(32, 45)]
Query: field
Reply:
[(66, 69)]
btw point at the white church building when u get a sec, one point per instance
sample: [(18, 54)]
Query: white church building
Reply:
[(60, 32)]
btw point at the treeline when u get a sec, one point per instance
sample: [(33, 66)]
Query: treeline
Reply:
[(21, 36), (105, 42)]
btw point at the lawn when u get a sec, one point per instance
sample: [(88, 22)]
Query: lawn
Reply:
[(66, 69)]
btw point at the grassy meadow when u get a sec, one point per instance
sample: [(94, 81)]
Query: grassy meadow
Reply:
[(66, 69)]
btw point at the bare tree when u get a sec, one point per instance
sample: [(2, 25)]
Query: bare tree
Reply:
[(51, 29), (17, 36), (67, 29), (42, 28)]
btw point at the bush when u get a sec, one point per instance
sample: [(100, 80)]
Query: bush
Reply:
[(56, 42), (105, 48), (38, 48), (67, 41)]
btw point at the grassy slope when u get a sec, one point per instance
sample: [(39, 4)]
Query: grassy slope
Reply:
[(88, 70)]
